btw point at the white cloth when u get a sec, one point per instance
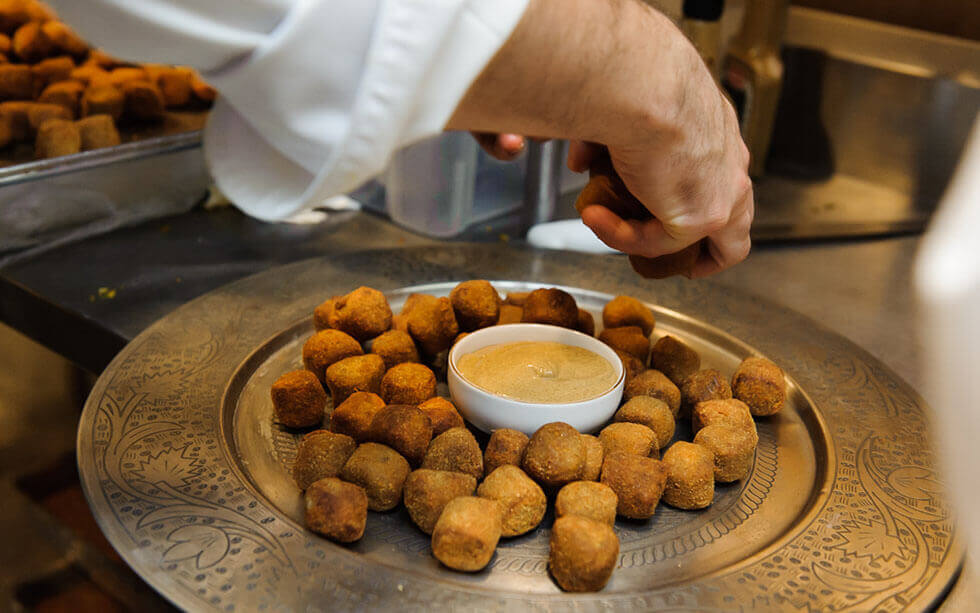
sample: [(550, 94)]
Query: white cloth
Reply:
[(315, 95), (947, 280)]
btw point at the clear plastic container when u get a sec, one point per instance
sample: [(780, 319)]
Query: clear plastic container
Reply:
[(441, 186)]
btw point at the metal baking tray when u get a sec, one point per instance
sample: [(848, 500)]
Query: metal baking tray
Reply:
[(159, 171)]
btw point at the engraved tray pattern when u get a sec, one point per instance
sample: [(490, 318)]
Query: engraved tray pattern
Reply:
[(173, 488)]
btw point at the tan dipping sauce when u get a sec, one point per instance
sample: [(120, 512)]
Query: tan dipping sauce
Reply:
[(538, 371)]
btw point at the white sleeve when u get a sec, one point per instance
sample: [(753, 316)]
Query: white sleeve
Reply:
[(315, 95)]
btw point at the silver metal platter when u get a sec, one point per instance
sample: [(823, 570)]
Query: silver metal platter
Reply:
[(189, 477)]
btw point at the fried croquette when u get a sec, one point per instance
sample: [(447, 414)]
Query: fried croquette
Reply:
[(53, 70), (594, 453), (57, 137), (656, 384), (517, 298), (632, 366), (353, 416), (629, 339), (624, 311), (510, 314), (359, 373), (408, 383), (467, 532), (760, 384), (64, 38), (6, 130), (364, 313), (123, 75), (690, 476), (638, 483), (38, 113), (16, 82), (336, 510), (298, 399), (321, 454), (555, 454), (629, 438), (432, 323), (675, 359), (31, 44), (427, 492), (395, 347), (586, 323), (175, 85), (455, 449), (583, 553), (404, 428), (412, 301), (381, 471), (16, 112), (730, 412), (98, 131), (144, 100), (652, 413), (596, 501), (733, 449), (321, 314), (707, 384), (442, 414), (91, 74), (522, 501), (327, 347), (476, 304), (506, 446), (551, 306), (103, 100)]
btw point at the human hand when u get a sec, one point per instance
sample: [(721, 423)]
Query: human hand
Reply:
[(504, 147), (672, 138), (694, 181)]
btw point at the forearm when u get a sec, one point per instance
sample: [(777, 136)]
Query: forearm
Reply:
[(594, 70)]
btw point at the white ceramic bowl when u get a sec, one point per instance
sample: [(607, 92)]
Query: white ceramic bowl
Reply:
[(489, 412)]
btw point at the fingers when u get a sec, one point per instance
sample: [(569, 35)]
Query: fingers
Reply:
[(581, 154), (730, 245), (504, 147), (726, 246), (647, 238)]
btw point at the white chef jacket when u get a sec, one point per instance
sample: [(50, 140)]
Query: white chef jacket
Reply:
[(315, 95)]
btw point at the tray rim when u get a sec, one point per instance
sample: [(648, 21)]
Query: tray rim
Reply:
[(87, 160)]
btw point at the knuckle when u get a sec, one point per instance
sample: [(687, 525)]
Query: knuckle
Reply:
[(714, 220)]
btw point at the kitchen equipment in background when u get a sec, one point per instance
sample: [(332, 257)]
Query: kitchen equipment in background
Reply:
[(701, 24), (443, 185), (752, 75), (47, 203)]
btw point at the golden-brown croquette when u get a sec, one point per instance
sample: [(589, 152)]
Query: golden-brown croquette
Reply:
[(408, 383), (405, 429), (628, 311), (551, 306), (359, 373), (476, 304), (298, 399), (656, 384), (364, 313)]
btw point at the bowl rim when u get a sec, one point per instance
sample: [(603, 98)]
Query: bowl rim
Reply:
[(620, 380)]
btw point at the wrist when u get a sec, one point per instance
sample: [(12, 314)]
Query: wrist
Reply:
[(645, 83)]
